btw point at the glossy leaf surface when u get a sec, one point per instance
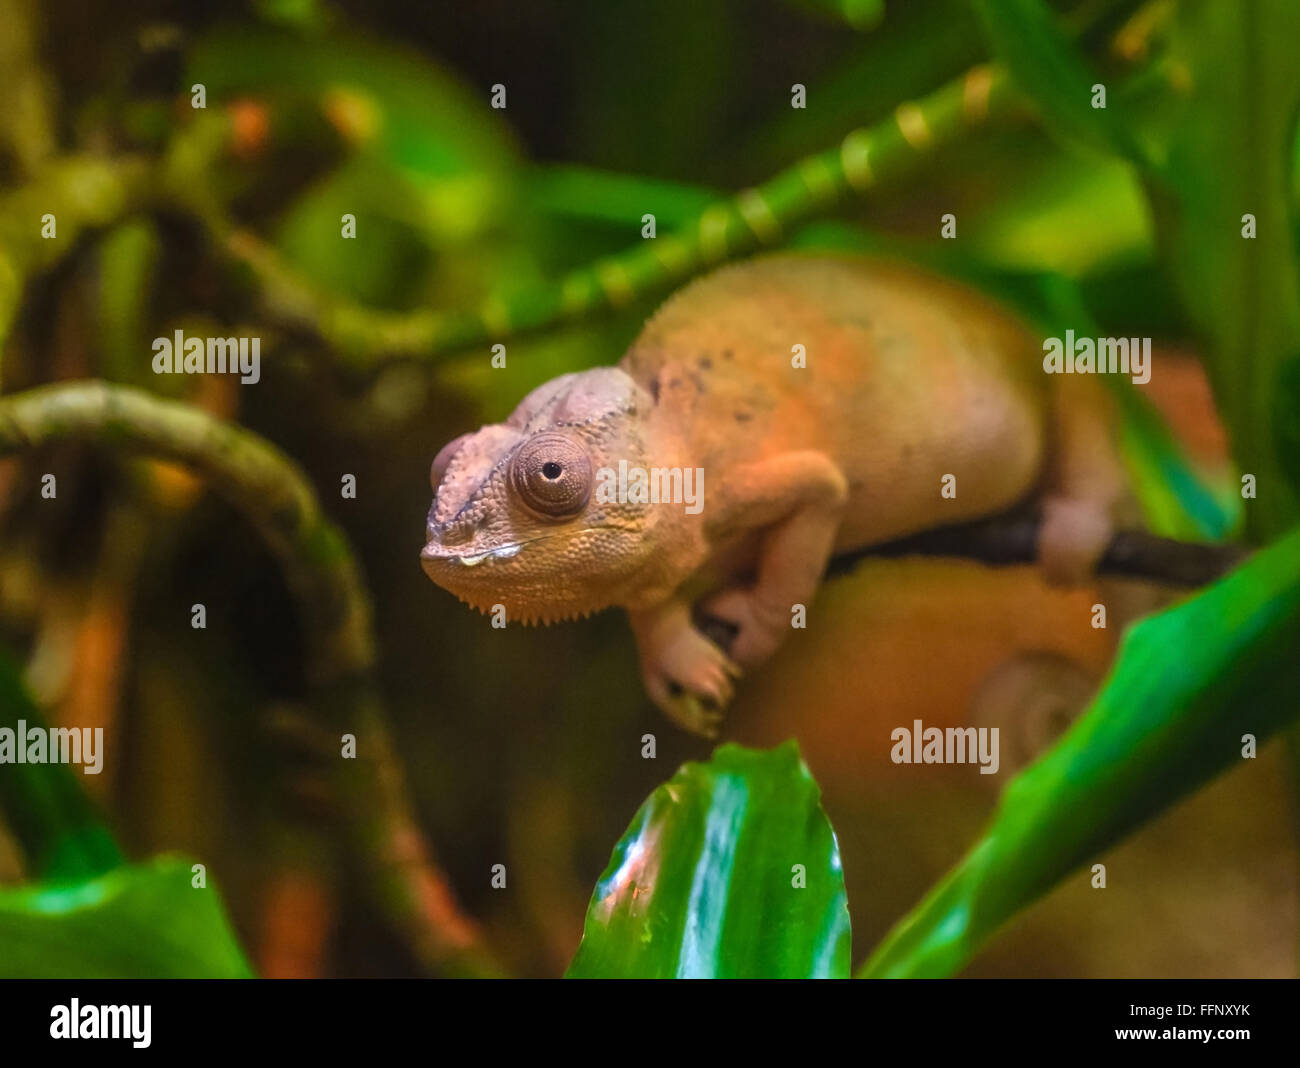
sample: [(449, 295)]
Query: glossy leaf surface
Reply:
[(706, 881)]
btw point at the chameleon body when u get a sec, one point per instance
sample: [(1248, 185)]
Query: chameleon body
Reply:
[(902, 378)]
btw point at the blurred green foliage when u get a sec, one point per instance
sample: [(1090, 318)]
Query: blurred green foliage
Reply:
[(89, 915), (1218, 146), (61, 830)]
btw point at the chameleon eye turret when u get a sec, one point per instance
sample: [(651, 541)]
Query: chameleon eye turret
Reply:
[(551, 475), (443, 459)]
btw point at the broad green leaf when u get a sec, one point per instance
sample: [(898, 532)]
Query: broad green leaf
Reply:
[(1230, 150), (1175, 502), (55, 822), (703, 883), (1188, 683), (1050, 69), (1073, 215), (139, 922), (617, 199)]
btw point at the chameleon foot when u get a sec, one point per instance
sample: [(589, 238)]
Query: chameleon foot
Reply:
[(694, 714), (689, 677), (1072, 539)]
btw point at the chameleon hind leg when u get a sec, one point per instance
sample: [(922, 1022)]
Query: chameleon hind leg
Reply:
[(1086, 487)]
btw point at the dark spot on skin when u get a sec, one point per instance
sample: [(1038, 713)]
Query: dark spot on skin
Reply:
[(744, 417), (704, 363), (654, 389), (674, 383), (727, 354)]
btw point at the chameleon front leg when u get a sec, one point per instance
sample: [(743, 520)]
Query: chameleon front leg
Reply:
[(798, 499)]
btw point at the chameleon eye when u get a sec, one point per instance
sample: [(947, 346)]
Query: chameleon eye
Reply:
[(551, 474)]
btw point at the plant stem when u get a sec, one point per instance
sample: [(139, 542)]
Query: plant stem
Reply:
[(752, 219)]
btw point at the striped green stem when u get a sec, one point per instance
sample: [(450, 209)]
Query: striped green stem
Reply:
[(764, 215), (755, 218)]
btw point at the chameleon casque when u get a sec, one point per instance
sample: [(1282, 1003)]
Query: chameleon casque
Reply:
[(906, 377)]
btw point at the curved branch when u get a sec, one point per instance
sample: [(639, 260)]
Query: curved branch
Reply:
[(270, 489)]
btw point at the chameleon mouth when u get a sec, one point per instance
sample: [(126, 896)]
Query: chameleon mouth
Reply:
[(502, 553), (533, 600), (433, 553)]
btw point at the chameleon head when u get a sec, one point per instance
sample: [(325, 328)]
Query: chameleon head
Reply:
[(517, 519)]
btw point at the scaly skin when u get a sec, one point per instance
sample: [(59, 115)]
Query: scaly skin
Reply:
[(908, 378)]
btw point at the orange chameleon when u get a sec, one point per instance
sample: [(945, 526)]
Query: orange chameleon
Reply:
[(813, 404)]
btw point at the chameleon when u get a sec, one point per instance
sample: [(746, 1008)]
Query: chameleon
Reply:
[(825, 401)]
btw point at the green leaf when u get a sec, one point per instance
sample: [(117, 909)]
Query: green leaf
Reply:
[(1230, 146), (1047, 66), (702, 884), (59, 828), (618, 200), (1188, 683), (1175, 502), (138, 922)]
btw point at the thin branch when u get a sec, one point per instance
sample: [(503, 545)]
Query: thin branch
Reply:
[(1013, 539), (274, 494)]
